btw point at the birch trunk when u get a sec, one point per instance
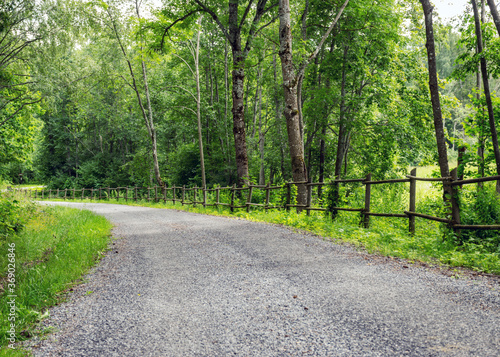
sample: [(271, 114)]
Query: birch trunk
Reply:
[(198, 106), (296, 144)]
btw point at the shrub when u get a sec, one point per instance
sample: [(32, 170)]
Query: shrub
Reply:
[(11, 217)]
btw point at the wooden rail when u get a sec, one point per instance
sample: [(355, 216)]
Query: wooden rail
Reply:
[(236, 199)]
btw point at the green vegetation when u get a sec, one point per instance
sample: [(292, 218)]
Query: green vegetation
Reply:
[(53, 248), (433, 242)]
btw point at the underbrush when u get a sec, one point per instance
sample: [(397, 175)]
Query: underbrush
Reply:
[(55, 248)]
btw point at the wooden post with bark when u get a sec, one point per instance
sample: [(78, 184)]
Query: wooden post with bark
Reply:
[(233, 191), (268, 193), (366, 211), (413, 199), (309, 199), (249, 198), (455, 204), (183, 194)]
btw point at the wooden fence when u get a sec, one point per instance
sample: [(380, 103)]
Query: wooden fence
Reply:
[(197, 195)]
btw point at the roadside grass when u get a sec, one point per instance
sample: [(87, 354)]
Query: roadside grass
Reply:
[(55, 249), (432, 243), (4, 185)]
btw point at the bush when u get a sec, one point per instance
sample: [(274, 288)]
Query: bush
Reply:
[(12, 214), (481, 207)]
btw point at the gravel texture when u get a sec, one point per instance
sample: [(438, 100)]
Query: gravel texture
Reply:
[(184, 284)]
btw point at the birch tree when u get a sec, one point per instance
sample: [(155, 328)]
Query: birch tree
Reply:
[(146, 108), (290, 84)]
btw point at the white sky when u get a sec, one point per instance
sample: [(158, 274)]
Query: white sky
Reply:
[(448, 9)]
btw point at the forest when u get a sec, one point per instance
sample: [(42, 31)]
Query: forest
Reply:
[(212, 93)]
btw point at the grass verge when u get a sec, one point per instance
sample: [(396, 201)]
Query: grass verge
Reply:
[(57, 246), (432, 243)]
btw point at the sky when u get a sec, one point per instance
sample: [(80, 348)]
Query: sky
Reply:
[(448, 9)]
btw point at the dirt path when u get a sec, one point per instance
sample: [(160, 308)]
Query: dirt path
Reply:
[(182, 284)]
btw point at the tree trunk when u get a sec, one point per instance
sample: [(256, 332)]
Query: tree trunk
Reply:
[(434, 90), (262, 138), (198, 106), (295, 141), (494, 14), (486, 85), (322, 154), (448, 194), (239, 132), (278, 113), (343, 131)]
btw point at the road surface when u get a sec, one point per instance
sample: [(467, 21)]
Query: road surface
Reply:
[(184, 284)]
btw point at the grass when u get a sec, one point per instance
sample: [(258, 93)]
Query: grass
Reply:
[(57, 246), (432, 242)]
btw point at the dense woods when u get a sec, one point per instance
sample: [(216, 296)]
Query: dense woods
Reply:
[(124, 93)]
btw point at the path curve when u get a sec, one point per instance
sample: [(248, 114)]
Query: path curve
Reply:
[(184, 284)]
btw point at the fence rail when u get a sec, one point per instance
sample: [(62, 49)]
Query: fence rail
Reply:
[(197, 195)]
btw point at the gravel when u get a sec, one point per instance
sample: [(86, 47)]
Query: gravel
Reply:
[(184, 284)]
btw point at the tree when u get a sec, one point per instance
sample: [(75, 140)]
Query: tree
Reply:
[(486, 86), (494, 13), (146, 110), (290, 83), (233, 30), (436, 105)]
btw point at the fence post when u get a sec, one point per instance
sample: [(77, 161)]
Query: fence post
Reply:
[(109, 192), (249, 198), (309, 199), (73, 193), (233, 190), (460, 163), (195, 188), (183, 194), (156, 193), (57, 193), (413, 201), (366, 218), (164, 188), (117, 194), (43, 193), (268, 192), (204, 196), (173, 195), (217, 196), (455, 207), (288, 196), (65, 193)]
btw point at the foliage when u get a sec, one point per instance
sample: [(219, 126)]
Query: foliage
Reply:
[(480, 206), (56, 248), (14, 212)]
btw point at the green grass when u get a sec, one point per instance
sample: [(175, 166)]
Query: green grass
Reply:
[(432, 242), (57, 246)]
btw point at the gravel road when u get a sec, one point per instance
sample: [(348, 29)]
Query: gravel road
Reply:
[(183, 284)]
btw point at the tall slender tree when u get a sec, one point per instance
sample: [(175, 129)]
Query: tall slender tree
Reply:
[(290, 83), (486, 86), (233, 29)]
